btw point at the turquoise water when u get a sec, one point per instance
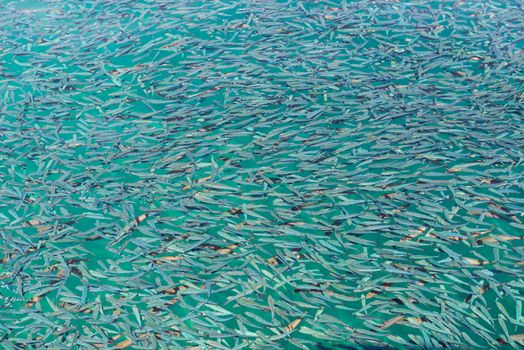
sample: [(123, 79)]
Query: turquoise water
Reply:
[(261, 175)]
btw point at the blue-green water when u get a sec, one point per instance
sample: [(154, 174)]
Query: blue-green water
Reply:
[(261, 175)]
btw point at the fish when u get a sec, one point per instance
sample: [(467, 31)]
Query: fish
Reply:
[(270, 175)]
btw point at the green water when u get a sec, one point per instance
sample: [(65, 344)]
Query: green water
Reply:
[(261, 175)]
